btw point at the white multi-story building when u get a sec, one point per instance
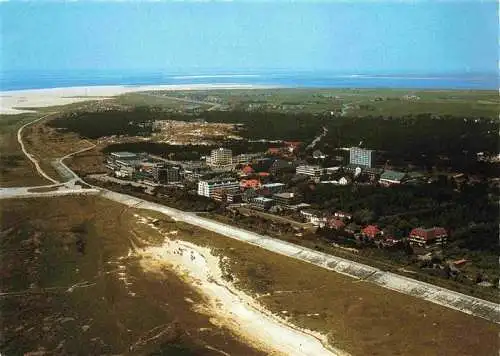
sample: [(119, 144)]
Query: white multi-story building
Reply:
[(207, 187), (221, 157), (313, 171), (361, 157)]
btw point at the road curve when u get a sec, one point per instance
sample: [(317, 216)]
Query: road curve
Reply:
[(31, 157)]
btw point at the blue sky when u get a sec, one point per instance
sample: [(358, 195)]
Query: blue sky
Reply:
[(415, 36)]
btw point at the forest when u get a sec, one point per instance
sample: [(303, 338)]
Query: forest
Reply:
[(92, 125)]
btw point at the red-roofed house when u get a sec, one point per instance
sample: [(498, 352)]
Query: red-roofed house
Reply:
[(335, 223), (249, 183), (371, 231), (425, 237)]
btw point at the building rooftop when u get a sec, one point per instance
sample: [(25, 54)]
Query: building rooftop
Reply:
[(272, 185), (360, 149), (123, 155), (393, 175), (312, 212), (219, 180), (285, 195), (309, 166), (428, 234)]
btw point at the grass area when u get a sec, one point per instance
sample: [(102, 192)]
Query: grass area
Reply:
[(88, 162), (15, 168), (68, 287), (358, 317), (48, 145), (384, 102), (141, 99)]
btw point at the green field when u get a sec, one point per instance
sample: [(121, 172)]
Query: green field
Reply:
[(375, 102), (15, 168)]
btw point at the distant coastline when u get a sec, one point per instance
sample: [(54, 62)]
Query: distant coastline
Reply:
[(22, 80), (22, 101)]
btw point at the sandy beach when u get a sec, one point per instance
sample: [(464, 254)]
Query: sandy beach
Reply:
[(19, 101), (228, 306)]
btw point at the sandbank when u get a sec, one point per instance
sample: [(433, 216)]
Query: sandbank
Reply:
[(21, 101)]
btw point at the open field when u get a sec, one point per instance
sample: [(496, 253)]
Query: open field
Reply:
[(15, 168), (48, 145), (68, 287), (137, 99), (356, 102)]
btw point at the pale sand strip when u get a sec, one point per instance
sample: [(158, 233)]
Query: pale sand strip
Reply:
[(228, 306), (13, 102)]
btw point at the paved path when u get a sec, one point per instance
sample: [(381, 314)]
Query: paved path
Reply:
[(71, 187)]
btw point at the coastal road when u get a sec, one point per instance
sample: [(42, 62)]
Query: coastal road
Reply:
[(448, 298)]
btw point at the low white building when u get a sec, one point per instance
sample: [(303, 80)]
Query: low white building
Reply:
[(207, 187), (308, 170), (315, 217), (341, 181)]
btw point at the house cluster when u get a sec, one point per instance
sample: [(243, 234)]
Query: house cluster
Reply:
[(253, 171), (342, 221), (143, 167), (247, 177)]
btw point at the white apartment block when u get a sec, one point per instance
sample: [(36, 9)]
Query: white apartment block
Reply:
[(361, 157), (207, 187), (313, 171), (221, 157)]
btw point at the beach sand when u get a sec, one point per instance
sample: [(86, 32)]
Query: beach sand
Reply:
[(228, 306), (19, 101)]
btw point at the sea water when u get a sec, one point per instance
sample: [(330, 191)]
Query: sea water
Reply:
[(18, 80)]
